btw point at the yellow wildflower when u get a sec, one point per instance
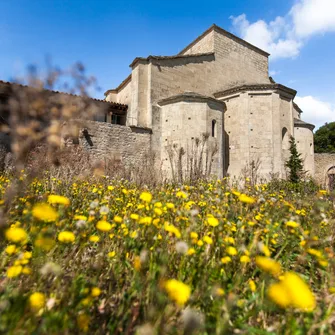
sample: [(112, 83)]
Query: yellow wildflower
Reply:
[(137, 263), (292, 224), (225, 259), (134, 216), (14, 271), (292, 291), (11, 249), (212, 221), (172, 229), (252, 285), (200, 243), (194, 235), (58, 199), (117, 219), (95, 292), (44, 212), (315, 252), (191, 251), (268, 265), (178, 291), (94, 238), (146, 197), (208, 239), (231, 251), (16, 235), (244, 259), (104, 226), (111, 254), (181, 194), (37, 301), (66, 237), (246, 199)]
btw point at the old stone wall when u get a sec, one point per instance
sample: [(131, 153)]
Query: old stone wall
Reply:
[(183, 125), (206, 44), (130, 145), (323, 164), (304, 140)]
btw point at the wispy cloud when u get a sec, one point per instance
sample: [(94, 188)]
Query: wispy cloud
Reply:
[(316, 111), (285, 36)]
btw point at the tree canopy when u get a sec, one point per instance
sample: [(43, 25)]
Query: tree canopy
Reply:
[(324, 138)]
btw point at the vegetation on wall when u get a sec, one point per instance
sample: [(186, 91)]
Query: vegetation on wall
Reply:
[(324, 139)]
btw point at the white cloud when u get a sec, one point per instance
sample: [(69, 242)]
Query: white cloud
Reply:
[(267, 36), (316, 111), (311, 17), (285, 36)]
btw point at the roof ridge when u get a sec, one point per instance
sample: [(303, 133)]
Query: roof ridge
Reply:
[(227, 33)]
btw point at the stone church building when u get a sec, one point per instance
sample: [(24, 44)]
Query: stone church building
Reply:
[(218, 85), (211, 107)]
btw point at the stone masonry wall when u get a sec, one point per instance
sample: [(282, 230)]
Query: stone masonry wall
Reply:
[(323, 162), (206, 44), (126, 144)]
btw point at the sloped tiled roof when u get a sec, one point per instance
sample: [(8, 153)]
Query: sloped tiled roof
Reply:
[(300, 123), (7, 85)]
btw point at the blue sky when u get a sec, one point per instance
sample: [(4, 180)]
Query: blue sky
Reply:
[(107, 35)]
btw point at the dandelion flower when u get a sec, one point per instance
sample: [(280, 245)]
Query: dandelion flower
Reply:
[(268, 265), (246, 199), (94, 238), (213, 221), (95, 292), (66, 237), (178, 291), (37, 301), (292, 224), (226, 260), (14, 271), (10, 249), (231, 251), (252, 285), (146, 197), (292, 291), (44, 212), (104, 226), (208, 239), (244, 259), (58, 199), (16, 235)]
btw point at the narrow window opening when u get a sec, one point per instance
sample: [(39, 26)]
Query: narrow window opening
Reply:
[(213, 128)]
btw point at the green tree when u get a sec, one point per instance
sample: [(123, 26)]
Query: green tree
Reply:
[(295, 163), (324, 138)]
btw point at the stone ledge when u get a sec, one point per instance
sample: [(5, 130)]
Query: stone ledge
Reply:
[(256, 87)]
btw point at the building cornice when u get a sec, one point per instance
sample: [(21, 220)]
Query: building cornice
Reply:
[(149, 59), (189, 97), (303, 124), (256, 87)]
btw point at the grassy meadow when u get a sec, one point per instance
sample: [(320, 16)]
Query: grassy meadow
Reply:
[(109, 257)]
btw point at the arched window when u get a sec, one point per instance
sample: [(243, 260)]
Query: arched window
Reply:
[(331, 178), (285, 139), (213, 128)]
